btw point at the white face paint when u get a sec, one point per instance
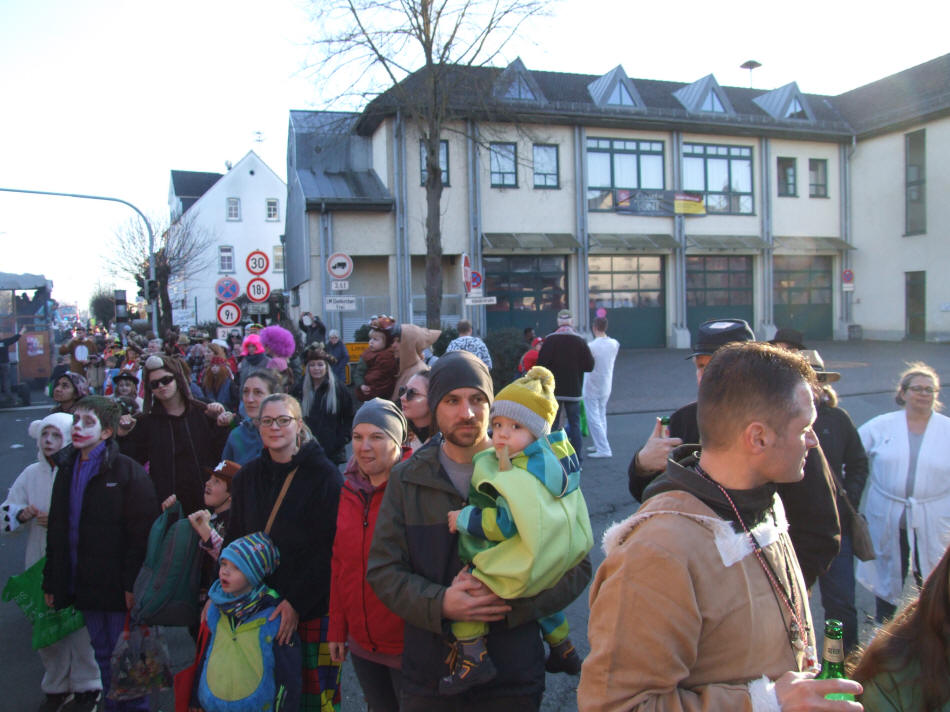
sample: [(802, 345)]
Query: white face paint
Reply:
[(87, 430), (51, 440)]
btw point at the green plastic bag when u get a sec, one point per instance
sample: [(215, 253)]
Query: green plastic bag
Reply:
[(584, 430), (49, 625)]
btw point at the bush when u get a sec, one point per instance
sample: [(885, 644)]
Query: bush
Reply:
[(448, 335), (506, 347)]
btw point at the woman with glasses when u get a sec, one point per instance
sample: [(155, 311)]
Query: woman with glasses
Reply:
[(414, 401), (908, 495), (175, 434), (304, 524), (326, 403)]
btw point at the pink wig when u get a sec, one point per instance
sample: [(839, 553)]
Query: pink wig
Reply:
[(278, 341), (251, 339)]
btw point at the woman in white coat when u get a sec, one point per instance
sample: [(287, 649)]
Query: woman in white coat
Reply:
[(908, 495)]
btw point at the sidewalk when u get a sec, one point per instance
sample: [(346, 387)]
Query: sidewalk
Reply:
[(661, 380)]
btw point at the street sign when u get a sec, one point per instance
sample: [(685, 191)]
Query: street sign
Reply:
[(847, 276), (229, 313), (339, 265), (258, 290), (340, 303), (258, 308), (257, 262), (476, 279), (480, 301), (339, 285), (227, 289)]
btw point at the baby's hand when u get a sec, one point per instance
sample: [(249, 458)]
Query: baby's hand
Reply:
[(453, 520)]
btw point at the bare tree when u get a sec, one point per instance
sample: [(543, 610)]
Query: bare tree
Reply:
[(380, 43), (182, 251)]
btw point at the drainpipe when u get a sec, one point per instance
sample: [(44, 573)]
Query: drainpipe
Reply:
[(475, 220), (582, 228), (680, 330), (403, 257), (768, 272), (845, 153)]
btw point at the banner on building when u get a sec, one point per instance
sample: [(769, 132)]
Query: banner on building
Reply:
[(662, 203)]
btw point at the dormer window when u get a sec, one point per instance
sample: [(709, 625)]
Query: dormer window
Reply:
[(519, 90), (712, 104), (795, 110), (620, 97)]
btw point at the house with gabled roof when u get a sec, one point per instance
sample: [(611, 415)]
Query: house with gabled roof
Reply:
[(660, 204), (240, 212)]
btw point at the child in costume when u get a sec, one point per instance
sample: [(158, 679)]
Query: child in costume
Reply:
[(526, 524), (243, 666), (377, 371), (70, 668)]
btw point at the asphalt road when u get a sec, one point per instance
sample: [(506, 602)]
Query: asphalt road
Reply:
[(646, 384)]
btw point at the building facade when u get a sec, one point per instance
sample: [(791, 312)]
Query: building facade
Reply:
[(662, 203), (239, 212)]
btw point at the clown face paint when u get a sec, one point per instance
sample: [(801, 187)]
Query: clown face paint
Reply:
[(87, 431)]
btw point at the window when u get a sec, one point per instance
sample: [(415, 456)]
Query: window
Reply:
[(817, 178), (616, 168), (545, 166), (503, 159), (225, 258), (273, 209), (718, 280), (712, 104), (234, 208), (443, 161), (519, 90), (620, 96), (723, 174), (795, 110), (787, 183), (625, 282), (801, 279), (278, 258), (915, 184), (524, 283)]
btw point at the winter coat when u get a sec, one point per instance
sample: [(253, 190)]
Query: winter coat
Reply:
[(682, 615), (846, 457), (118, 509), (414, 557), (810, 504), (473, 345), (332, 431), (356, 614), (928, 511), (177, 467), (378, 370), (527, 526), (244, 443), (567, 356), (342, 356), (413, 340), (304, 527), (897, 691)]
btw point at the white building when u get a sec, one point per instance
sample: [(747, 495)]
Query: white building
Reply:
[(241, 211)]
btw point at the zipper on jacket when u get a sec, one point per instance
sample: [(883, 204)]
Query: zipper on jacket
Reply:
[(364, 562)]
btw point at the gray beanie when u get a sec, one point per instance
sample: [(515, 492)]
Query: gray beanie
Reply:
[(384, 415), (458, 369)]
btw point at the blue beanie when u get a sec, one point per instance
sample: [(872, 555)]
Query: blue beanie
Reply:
[(255, 555)]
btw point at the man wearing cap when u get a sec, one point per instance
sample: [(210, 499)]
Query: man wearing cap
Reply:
[(810, 504), (565, 354), (415, 570)]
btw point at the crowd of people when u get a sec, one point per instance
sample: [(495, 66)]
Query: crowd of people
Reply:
[(432, 531)]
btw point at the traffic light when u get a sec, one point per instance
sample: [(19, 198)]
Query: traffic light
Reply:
[(152, 289)]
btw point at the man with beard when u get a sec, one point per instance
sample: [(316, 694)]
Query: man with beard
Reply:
[(415, 570)]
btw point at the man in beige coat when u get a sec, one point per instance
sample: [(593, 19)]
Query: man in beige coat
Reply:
[(700, 603)]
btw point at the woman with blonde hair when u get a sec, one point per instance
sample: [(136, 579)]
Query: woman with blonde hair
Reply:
[(294, 482), (908, 498)]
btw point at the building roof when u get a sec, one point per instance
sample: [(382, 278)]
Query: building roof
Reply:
[(908, 97), (191, 185), (566, 98), (334, 165)]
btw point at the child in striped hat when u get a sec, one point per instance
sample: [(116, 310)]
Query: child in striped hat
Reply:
[(243, 666), (526, 524)]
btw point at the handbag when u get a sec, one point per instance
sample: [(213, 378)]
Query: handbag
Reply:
[(186, 679), (280, 500), (861, 543), (49, 625), (140, 663)]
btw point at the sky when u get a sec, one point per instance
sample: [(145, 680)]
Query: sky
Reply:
[(107, 97)]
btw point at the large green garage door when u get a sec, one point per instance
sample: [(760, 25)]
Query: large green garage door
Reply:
[(632, 291), (802, 289), (718, 287), (530, 291)]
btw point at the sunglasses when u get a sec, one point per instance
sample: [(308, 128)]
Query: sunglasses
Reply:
[(159, 382), (410, 393)]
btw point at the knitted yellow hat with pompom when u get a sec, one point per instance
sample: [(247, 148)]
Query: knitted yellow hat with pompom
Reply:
[(529, 401)]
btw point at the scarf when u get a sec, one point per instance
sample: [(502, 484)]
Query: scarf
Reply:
[(237, 607)]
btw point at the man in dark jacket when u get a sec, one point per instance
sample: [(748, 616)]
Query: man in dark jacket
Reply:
[(565, 353), (809, 504), (102, 508), (415, 570)]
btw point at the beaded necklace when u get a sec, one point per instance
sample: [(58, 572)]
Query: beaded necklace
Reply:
[(798, 630)]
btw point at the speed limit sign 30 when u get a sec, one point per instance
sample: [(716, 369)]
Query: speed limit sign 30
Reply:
[(257, 262)]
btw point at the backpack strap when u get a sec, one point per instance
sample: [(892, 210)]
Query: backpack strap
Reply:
[(280, 499)]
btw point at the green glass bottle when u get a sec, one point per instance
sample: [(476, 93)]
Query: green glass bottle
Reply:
[(832, 657)]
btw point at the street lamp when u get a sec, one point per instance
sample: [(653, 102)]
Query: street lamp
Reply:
[(750, 65), (148, 226)]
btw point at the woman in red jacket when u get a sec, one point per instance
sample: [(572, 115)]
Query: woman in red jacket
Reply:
[(358, 620)]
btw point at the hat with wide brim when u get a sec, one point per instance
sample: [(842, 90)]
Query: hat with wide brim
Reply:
[(818, 365), (716, 333), (792, 337)]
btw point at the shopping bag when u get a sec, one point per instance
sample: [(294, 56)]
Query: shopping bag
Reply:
[(49, 625), (584, 430), (185, 680), (140, 663)]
